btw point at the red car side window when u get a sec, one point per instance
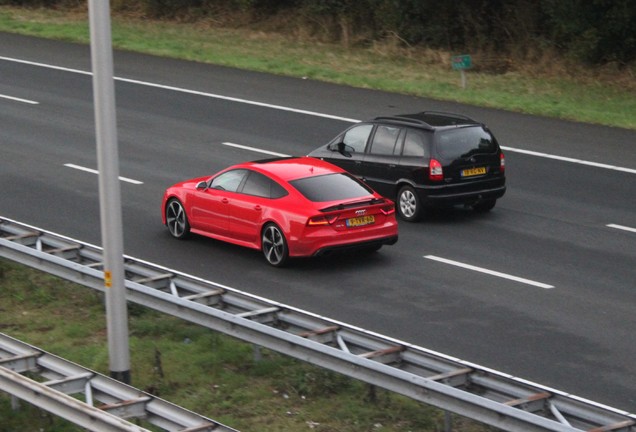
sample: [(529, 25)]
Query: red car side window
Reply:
[(229, 180)]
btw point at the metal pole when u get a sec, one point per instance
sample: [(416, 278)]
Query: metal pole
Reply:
[(109, 192)]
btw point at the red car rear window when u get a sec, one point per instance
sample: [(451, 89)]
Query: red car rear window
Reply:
[(331, 187)]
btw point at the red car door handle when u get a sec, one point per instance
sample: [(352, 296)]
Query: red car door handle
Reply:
[(225, 200), (257, 207)]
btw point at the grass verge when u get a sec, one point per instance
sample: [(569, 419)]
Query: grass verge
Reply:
[(196, 368), (543, 85)]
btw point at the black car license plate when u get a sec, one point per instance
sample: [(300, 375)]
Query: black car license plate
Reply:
[(473, 172)]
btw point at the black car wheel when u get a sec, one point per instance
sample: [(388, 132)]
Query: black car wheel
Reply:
[(409, 206), (274, 245), (176, 219)]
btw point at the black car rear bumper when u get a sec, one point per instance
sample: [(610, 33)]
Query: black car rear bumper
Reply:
[(446, 196)]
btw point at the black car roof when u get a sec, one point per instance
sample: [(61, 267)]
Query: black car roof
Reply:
[(429, 119)]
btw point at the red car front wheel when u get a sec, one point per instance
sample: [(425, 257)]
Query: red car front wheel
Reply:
[(176, 219)]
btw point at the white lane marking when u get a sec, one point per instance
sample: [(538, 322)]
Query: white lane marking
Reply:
[(622, 227), (490, 272), (244, 147), (27, 101), (238, 100), (45, 65), (299, 111), (188, 91), (90, 170), (567, 159)]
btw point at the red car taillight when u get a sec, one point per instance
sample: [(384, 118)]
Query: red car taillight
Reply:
[(502, 163), (388, 210), (435, 171), (321, 220)]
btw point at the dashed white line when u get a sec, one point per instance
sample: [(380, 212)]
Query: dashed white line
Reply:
[(27, 101), (94, 171), (254, 149), (622, 227), (490, 272)]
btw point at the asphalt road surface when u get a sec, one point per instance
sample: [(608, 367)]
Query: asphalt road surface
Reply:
[(543, 287)]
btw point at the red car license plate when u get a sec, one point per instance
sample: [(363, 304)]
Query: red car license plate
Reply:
[(360, 221), (473, 171)]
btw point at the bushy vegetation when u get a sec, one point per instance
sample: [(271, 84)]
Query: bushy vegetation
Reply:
[(595, 32)]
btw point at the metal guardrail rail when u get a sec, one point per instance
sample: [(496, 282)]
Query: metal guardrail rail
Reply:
[(455, 385), (87, 398)]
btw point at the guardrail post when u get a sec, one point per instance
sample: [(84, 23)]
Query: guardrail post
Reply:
[(448, 422), (258, 355)]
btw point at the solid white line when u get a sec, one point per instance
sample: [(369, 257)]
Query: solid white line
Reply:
[(90, 170), (19, 99), (567, 159), (194, 92), (622, 227), (255, 149), (238, 100), (44, 65), (490, 272), (299, 111)]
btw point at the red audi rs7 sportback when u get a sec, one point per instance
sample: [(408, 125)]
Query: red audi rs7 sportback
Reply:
[(286, 207)]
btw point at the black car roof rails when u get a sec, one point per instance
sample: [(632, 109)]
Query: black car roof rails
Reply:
[(414, 120), (448, 114), (409, 120)]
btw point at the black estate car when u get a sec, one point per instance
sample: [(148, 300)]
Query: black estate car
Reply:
[(422, 161)]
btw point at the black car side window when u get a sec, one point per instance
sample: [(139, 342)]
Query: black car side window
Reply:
[(415, 143), (384, 140), (356, 138)]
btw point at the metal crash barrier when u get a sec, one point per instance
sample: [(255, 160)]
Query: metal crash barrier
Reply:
[(455, 385), (86, 398)]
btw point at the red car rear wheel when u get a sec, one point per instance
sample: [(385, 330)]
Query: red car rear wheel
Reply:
[(274, 245)]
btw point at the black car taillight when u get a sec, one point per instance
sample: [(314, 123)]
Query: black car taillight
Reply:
[(502, 162), (435, 170)]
